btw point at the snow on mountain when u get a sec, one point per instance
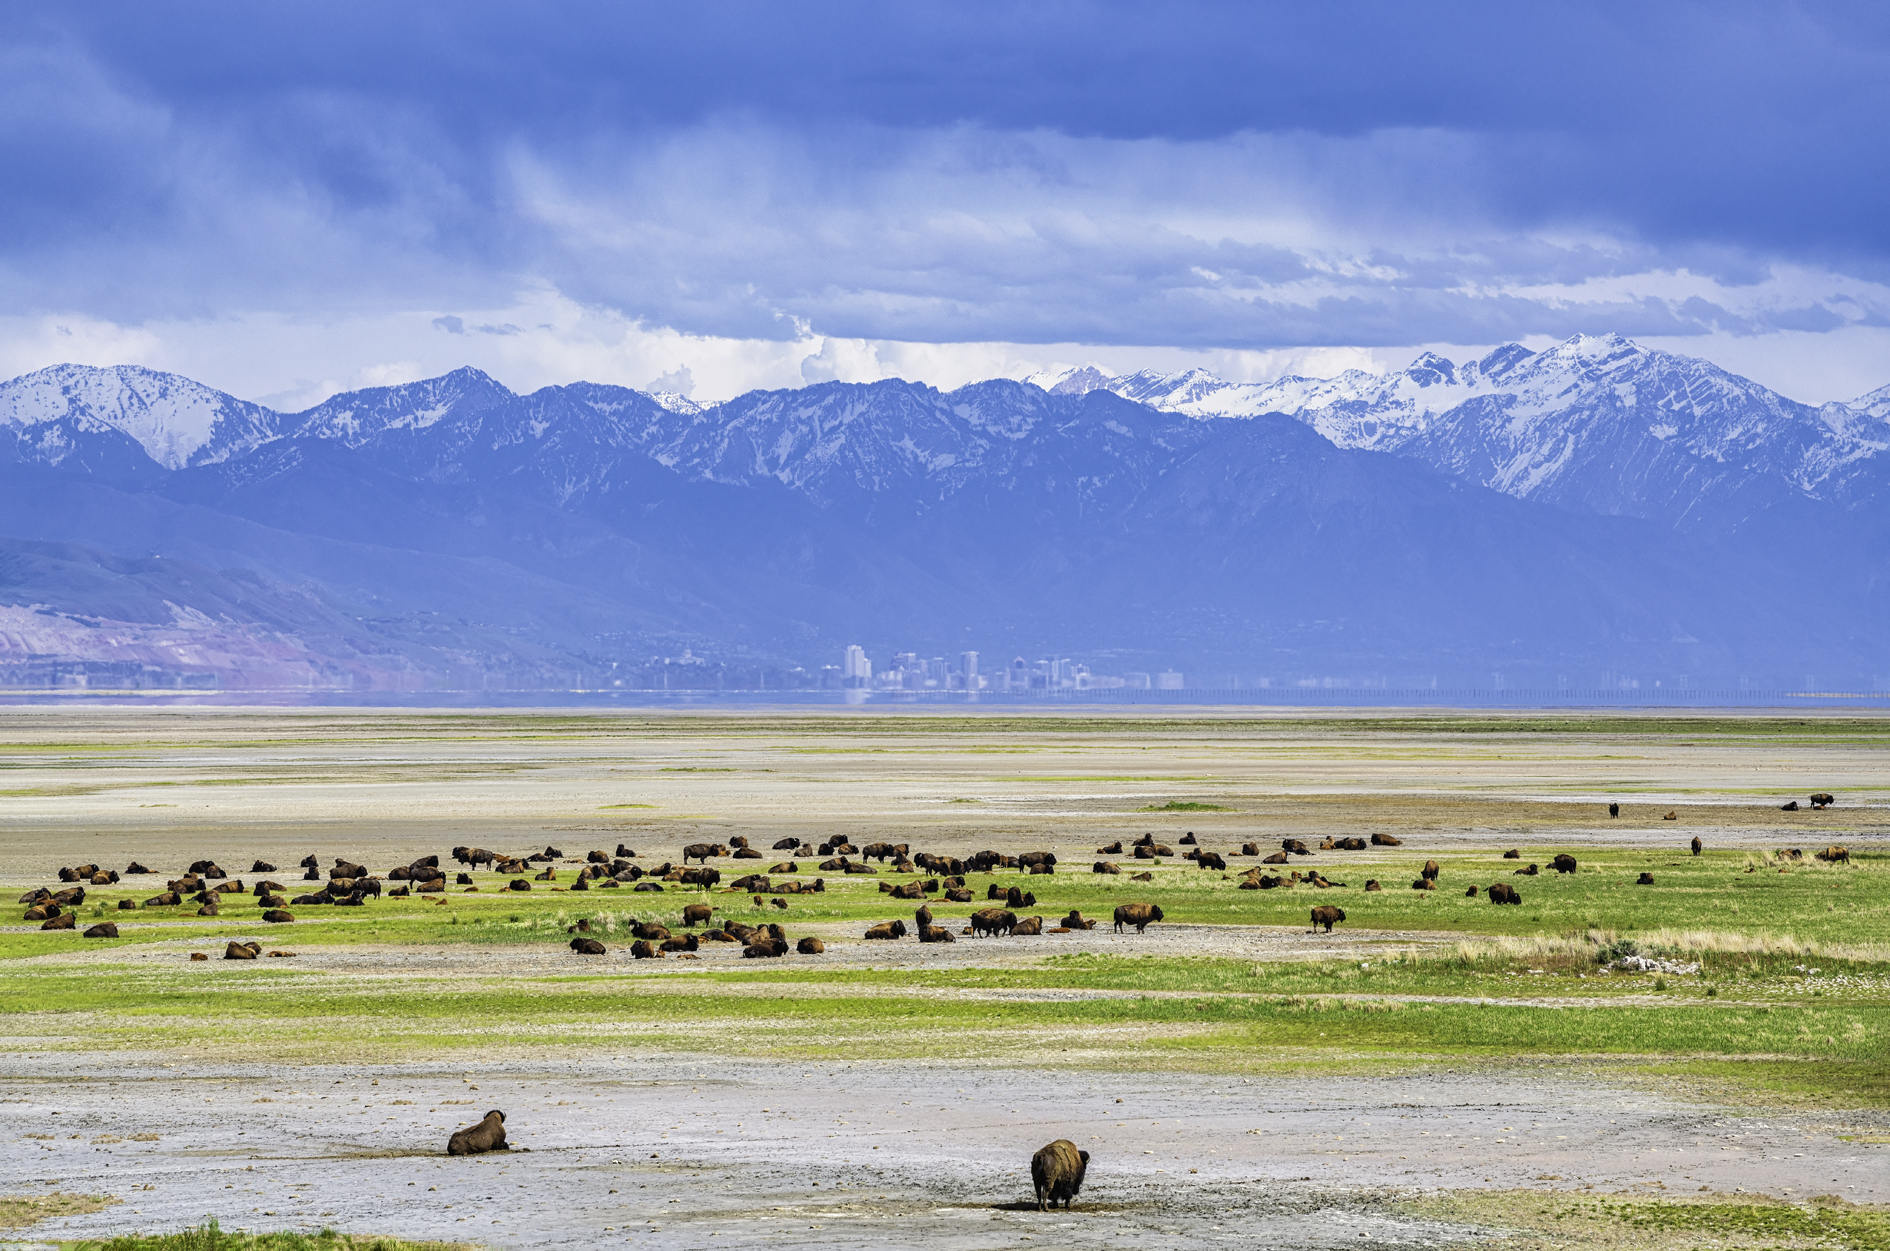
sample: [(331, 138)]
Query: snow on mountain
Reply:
[(1598, 423), (178, 422)]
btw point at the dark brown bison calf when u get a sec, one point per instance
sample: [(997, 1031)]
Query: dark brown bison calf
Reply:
[(487, 1135), (1057, 1173), (1325, 915)]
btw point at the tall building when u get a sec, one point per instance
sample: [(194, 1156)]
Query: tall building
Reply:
[(856, 670), (968, 669)]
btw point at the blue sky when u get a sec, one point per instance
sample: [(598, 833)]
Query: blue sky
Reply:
[(287, 199)]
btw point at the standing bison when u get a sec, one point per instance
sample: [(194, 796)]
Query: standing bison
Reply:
[(487, 1135), (1823, 799), (1504, 893), (1563, 863), (1057, 1173), (1141, 916), (1325, 915)]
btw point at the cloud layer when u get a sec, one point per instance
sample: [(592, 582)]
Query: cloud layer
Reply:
[(745, 190)]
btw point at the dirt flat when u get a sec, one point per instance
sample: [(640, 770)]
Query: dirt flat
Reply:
[(693, 1151)]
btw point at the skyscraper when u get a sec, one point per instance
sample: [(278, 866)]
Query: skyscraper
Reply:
[(968, 669), (856, 670)]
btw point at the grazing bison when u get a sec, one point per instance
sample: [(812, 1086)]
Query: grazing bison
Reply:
[(1387, 840), (1429, 871), (1030, 927), (1697, 844), (104, 929), (1211, 860), (1789, 807), (695, 914), (1326, 914), (1057, 1173), (1835, 855), (487, 1135), (935, 934), (810, 946), (587, 947), (1645, 879), (887, 930), (1513, 854), (1823, 799), (1140, 915), (992, 922), (1504, 893), (1563, 863)]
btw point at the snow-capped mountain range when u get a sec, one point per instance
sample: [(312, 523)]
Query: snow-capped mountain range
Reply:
[(1596, 504), (1598, 423)]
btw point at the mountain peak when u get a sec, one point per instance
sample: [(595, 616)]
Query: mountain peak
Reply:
[(178, 422)]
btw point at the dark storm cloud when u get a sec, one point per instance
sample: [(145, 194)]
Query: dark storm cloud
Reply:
[(1184, 173)]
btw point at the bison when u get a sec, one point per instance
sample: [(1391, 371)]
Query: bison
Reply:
[(887, 930), (935, 934), (276, 916), (1057, 1173), (588, 947), (1105, 866), (1503, 893), (1387, 840), (1278, 857), (242, 951), (1295, 846), (1528, 871), (1470, 892), (644, 949), (1030, 927), (1614, 810), (1513, 854), (810, 946), (1075, 921), (992, 921), (701, 852), (1211, 860), (1326, 914), (1563, 863), (1374, 886), (1835, 855), (1140, 915), (694, 914), (1823, 799), (1424, 883), (487, 1135), (1429, 871), (1645, 879), (104, 929), (1697, 844), (1789, 807)]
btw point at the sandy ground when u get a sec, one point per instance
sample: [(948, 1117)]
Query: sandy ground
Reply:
[(169, 787), (705, 1152)]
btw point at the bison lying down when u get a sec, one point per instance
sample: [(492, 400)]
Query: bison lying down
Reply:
[(487, 1135)]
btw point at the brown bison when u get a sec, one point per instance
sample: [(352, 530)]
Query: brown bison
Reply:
[(1387, 840), (1429, 871), (104, 929), (760, 948), (1295, 846), (487, 1135), (1057, 1173), (1697, 844), (1645, 879), (1789, 807), (1424, 883), (1373, 885), (958, 894), (1503, 893), (1528, 871), (1030, 927), (992, 922), (935, 934), (695, 914), (242, 951), (1140, 915), (1326, 914), (1105, 866), (276, 916), (688, 942), (644, 949), (1563, 863), (1513, 854), (1278, 857), (887, 930), (702, 852), (1470, 892), (1823, 799), (1835, 855), (1113, 849), (1075, 921), (588, 947), (1350, 844), (810, 946), (1673, 814), (1211, 860)]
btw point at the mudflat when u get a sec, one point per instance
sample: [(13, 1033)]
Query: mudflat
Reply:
[(1435, 1069)]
